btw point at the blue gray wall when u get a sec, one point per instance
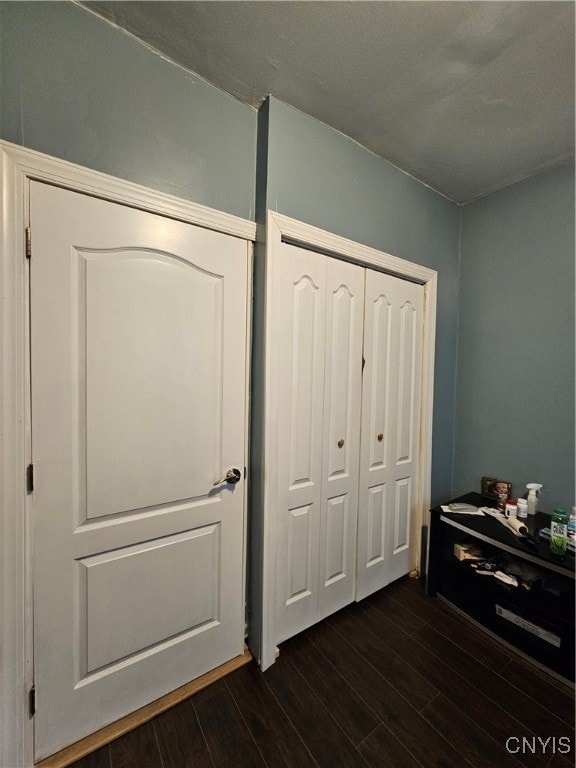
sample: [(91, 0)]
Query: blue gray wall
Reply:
[(317, 175), (77, 88), (515, 381)]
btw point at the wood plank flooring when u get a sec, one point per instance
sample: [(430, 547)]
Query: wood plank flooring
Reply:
[(396, 681)]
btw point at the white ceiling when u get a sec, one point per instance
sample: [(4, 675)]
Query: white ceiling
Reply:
[(468, 97)]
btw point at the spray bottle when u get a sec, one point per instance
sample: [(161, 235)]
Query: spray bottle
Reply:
[(533, 493)]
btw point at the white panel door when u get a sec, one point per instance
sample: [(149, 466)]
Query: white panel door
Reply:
[(320, 363), (301, 278), (390, 443), (138, 370), (341, 440)]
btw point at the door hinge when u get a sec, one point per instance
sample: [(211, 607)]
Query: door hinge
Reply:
[(32, 701), (30, 478), (244, 473), (363, 363), (28, 243)]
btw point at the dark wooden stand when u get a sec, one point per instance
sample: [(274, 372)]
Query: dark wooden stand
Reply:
[(538, 622)]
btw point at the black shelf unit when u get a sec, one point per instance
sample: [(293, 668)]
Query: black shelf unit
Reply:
[(538, 622)]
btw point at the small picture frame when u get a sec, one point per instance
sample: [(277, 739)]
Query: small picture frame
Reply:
[(492, 487)]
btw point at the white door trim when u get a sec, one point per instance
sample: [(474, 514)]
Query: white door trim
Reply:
[(280, 228), (17, 166)]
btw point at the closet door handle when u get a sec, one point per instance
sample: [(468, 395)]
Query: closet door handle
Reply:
[(380, 436), (340, 442)]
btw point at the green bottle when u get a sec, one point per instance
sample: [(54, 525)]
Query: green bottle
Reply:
[(558, 532)]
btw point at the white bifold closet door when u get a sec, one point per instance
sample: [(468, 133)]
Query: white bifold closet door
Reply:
[(391, 407), (348, 433), (320, 359)]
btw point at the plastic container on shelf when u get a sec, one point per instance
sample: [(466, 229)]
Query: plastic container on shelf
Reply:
[(522, 505), (572, 523), (559, 532), (511, 508)]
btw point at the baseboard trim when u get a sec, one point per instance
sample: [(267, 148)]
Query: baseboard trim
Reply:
[(105, 735)]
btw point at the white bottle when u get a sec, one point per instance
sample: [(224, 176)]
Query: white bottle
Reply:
[(533, 493), (522, 508), (511, 508)]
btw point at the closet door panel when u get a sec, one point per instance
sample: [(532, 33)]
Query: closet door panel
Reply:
[(375, 518), (401, 528), (335, 522), (378, 375), (299, 560), (302, 276), (390, 428), (408, 369), (407, 395), (341, 434)]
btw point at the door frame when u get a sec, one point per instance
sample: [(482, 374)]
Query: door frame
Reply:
[(279, 229), (19, 165)]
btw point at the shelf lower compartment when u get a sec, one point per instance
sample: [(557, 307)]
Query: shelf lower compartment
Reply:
[(524, 620), (536, 617)]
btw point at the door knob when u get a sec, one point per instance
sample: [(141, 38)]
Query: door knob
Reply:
[(340, 443), (232, 476), (380, 436)]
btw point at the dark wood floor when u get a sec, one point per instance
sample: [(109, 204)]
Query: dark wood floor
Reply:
[(397, 681)]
